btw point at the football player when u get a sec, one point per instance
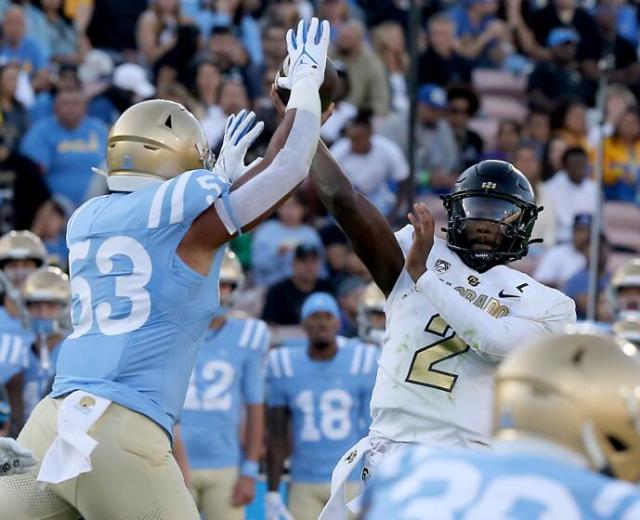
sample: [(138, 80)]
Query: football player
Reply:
[(226, 384), (21, 253), (324, 389), (624, 298), (567, 434), (455, 317), (144, 263), (46, 295), (371, 318)]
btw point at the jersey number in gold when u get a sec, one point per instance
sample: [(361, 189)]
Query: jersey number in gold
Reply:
[(422, 372)]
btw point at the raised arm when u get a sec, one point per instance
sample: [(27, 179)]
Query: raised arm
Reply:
[(286, 163), (369, 232)]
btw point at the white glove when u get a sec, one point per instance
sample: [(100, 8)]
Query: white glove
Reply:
[(274, 508), (307, 53), (238, 137), (14, 459)]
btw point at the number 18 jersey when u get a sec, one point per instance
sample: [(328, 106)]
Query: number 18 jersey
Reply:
[(139, 312), (432, 387)]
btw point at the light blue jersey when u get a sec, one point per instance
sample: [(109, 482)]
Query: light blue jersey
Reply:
[(229, 373), (139, 313), (328, 401), (15, 342), (37, 379), (420, 483)]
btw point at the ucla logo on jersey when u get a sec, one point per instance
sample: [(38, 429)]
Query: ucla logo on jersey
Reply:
[(442, 266)]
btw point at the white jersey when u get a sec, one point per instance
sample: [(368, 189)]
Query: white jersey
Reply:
[(444, 339)]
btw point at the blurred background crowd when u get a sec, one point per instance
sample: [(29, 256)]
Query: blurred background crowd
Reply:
[(549, 85), (519, 80)]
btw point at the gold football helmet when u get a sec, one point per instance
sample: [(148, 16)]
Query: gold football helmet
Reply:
[(22, 245), (47, 284), (626, 277), (628, 329), (577, 390), (370, 328), (231, 269), (154, 141)]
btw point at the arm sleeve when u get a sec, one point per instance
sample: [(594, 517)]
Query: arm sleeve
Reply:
[(253, 377), (288, 169), (493, 337)]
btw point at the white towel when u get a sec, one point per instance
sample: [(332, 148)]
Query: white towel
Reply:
[(69, 454), (336, 507)]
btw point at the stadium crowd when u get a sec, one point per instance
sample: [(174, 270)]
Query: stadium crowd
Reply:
[(523, 81)]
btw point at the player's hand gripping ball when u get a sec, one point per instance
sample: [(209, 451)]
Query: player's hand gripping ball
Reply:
[(328, 90)]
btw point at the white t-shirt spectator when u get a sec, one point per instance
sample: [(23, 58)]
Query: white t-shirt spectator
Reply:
[(558, 264), (331, 131), (569, 199), (371, 172)]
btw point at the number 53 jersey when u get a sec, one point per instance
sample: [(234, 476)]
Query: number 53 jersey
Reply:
[(139, 313), (442, 344)]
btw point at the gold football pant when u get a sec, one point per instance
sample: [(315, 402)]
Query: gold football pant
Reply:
[(213, 491), (306, 500), (134, 475)]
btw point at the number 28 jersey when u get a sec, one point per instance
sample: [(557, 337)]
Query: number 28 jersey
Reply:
[(139, 313), (431, 386)]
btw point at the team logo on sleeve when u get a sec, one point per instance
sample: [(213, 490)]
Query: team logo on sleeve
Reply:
[(352, 456), (473, 281), (441, 266)]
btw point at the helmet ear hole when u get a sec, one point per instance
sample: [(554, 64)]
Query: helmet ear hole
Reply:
[(617, 444)]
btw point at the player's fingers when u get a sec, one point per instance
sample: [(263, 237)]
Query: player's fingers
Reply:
[(285, 82), (325, 34), (425, 216), (244, 126), (230, 120), (312, 33), (238, 121), (300, 34), (415, 223), (248, 139), (291, 41)]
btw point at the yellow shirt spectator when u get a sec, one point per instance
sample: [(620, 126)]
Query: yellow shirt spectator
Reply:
[(622, 159)]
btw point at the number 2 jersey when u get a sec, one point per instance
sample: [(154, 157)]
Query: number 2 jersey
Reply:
[(443, 341), (515, 480), (229, 373), (328, 402), (139, 313)]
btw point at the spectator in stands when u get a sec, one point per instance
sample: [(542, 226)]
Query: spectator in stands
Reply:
[(348, 294), (33, 17), (61, 37), (66, 146), (232, 15), (368, 84), (557, 77), (437, 152), (618, 100), (565, 14), (23, 190), (537, 130), (132, 79), (50, 224), (113, 25), (233, 97), (226, 50), (463, 105), (552, 157), (343, 111), (207, 88), (285, 299), (527, 160), (572, 191), (479, 30), (577, 287), (373, 163), (562, 261), (18, 47), (441, 63), (389, 42), (14, 115), (274, 46), (619, 54), (167, 40), (569, 123), (275, 241), (508, 138), (621, 162)]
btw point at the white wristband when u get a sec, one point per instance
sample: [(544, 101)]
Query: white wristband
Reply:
[(305, 95)]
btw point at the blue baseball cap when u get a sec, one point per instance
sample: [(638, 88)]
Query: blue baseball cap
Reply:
[(432, 95), (319, 302), (561, 35)]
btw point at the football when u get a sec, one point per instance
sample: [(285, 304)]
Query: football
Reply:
[(328, 91)]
